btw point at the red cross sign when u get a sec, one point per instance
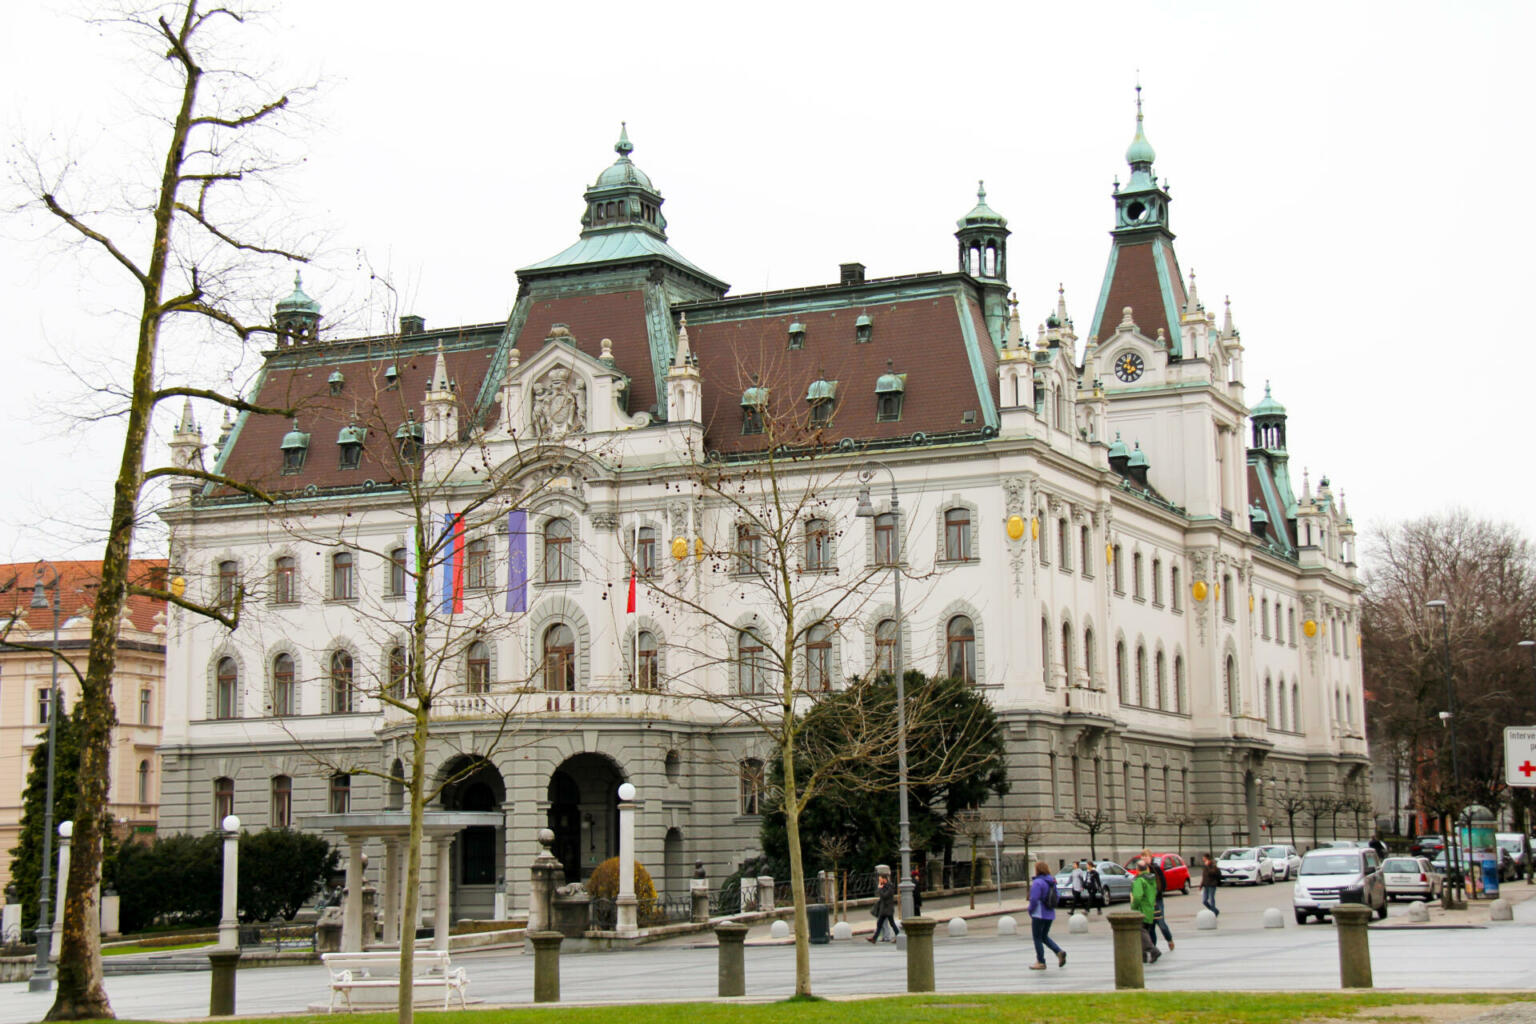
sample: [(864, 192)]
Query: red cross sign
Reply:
[(1520, 755)]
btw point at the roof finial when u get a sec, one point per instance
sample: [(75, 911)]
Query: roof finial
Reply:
[(298, 281), (1015, 338), (1192, 303), (1227, 330), (1140, 151), (981, 191), (1061, 303), (623, 147), (681, 356)]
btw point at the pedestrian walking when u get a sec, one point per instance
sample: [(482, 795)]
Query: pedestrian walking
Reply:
[(1150, 863), (1078, 883), (1210, 878), (917, 893), (1144, 902), (885, 905), (1042, 913), (1094, 886)]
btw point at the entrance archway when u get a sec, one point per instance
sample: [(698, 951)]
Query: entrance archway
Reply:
[(475, 785), (584, 813)]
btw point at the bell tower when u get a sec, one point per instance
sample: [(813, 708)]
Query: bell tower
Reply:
[(983, 252)]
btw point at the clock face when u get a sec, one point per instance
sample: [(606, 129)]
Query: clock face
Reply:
[(1129, 367)]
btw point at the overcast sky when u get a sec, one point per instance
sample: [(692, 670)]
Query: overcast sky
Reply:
[(1352, 175)]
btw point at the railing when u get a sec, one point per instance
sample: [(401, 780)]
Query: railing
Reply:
[(1246, 727), (650, 704), (1080, 700)]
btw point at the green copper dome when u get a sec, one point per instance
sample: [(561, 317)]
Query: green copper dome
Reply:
[(890, 383), (623, 171), (1140, 150), (1118, 450), (1138, 457), (1268, 406), (981, 213), (821, 391), (295, 438), (298, 302)]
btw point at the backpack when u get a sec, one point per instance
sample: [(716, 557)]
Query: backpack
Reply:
[(1094, 883), (1051, 900)]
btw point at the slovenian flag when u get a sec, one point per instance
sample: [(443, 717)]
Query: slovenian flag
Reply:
[(630, 610), (453, 563)]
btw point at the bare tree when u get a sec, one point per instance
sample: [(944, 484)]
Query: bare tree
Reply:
[(1093, 821), (1026, 825), (185, 271), (1145, 819), (1209, 817), (973, 827), (834, 848), (1181, 821), (1318, 806), (1290, 803)]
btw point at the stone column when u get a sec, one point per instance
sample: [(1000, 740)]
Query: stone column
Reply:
[(66, 832), (698, 888), (1127, 928), (628, 909), (545, 875), (221, 986), (732, 938), (229, 922), (440, 921), (546, 966), (392, 893), (919, 953), (352, 899), (1354, 944)]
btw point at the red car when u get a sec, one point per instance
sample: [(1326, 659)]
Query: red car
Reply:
[(1175, 871)]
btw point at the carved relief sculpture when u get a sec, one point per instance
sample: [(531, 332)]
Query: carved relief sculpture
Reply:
[(559, 404)]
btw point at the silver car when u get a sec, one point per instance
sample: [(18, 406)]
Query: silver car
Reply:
[(1411, 877), (1286, 861), (1245, 864)]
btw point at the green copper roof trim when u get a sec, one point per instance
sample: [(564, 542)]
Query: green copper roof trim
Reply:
[(891, 383), (660, 335), (978, 368), (1109, 279), (1170, 308), (234, 434), (1267, 405), (823, 390), (1275, 493), (625, 245), (295, 438)]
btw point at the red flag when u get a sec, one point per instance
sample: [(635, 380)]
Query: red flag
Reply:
[(631, 609)]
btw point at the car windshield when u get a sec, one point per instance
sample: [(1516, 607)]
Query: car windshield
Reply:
[(1276, 852), (1331, 864), (1238, 853), (1401, 864), (1512, 845)]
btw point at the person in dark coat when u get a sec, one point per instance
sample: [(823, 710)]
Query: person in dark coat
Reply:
[(1210, 878), (885, 905), (917, 893)]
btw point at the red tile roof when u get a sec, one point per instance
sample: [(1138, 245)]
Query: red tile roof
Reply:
[(1135, 284), (617, 316), (77, 590)]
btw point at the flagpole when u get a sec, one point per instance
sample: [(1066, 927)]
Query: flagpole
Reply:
[(635, 571)]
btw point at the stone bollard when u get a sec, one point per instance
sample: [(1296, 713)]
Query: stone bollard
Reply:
[(732, 938), (1273, 918), (765, 893), (1006, 925), (958, 928), (1205, 921), (1501, 910), (1077, 924), (546, 966), (920, 953), (1418, 912), (1127, 928), (842, 930), (221, 990), (1354, 944), (779, 929)]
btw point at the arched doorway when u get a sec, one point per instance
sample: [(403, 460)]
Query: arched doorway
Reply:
[(674, 872), (1251, 806), (474, 784), (584, 813)]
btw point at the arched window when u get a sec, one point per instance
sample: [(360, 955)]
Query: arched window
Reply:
[(751, 672), (1064, 544), (143, 781), (645, 647), (1118, 574), (282, 801), (1088, 665), (1120, 680), (226, 689), (399, 669), (341, 793), (1045, 649), (1269, 702), (559, 657), (885, 646), (285, 580), (477, 564), (1230, 698), (343, 583), (1085, 550), (341, 683), (957, 535), (1178, 682), (1141, 675), (559, 564), (283, 703), (885, 539), (749, 549), (818, 545), (223, 800), (1264, 618), (1159, 691), (1138, 587), (1176, 590), (818, 657), (1295, 708), (960, 647), (478, 664), (1066, 651)]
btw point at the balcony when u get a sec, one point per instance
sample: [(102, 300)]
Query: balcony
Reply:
[(1247, 727), (647, 704), (1353, 746), (1079, 700)]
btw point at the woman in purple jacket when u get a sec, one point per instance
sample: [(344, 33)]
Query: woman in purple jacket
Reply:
[(1042, 911)]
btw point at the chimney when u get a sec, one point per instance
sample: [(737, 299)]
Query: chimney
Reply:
[(412, 324), (851, 273)]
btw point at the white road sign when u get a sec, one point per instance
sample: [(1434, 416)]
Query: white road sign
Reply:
[(1520, 755)]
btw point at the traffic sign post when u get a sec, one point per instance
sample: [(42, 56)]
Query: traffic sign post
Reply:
[(1520, 756)]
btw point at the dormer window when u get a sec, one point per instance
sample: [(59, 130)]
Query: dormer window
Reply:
[(336, 381), (753, 402), (822, 396), (350, 441), (890, 389), (408, 440), (863, 328), (391, 377), (797, 335), (295, 446)]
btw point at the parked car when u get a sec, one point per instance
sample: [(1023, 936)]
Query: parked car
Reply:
[(1427, 845), (1175, 871), (1245, 864), (1512, 842), (1116, 881), (1341, 844), (1411, 877), (1329, 877), (1286, 861)]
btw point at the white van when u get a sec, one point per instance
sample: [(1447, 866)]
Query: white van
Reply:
[(1328, 877)]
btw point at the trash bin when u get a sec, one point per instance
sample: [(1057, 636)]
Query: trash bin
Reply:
[(818, 922), (1490, 878)]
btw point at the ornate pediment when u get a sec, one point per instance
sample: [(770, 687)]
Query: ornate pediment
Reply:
[(561, 392)]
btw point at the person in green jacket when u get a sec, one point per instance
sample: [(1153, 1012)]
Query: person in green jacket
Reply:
[(1144, 902)]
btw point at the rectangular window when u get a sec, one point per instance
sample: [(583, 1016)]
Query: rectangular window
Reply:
[(1064, 545), (342, 588), (749, 549), (1136, 585), (1086, 557), (228, 573), (282, 802), (1176, 588), (957, 535), (818, 546), (645, 552), (397, 572), (146, 702), (1157, 582), (752, 787), (42, 706), (1118, 573), (477, 564), (341, 793), (223, 800), (285, 581), (885, 539)]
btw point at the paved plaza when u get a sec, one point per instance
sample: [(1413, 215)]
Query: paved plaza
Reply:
[(1457, 950)]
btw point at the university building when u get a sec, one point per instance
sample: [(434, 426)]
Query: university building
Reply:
[(1095, 527)]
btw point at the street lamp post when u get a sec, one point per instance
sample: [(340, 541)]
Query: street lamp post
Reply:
[(1525, 833), (1449, 716), (866, 510), (42, 970)]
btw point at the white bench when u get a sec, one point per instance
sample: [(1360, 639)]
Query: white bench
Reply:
[(430, 969)]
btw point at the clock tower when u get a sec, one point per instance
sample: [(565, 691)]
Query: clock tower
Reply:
[(1141, 205)]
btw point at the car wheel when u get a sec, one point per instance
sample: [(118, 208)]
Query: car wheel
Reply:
[(1381, 912), (1301, 917), (1185, 890)]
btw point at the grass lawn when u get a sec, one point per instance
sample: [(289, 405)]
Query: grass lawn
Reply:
[(136, 948), (1056, 1008)]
